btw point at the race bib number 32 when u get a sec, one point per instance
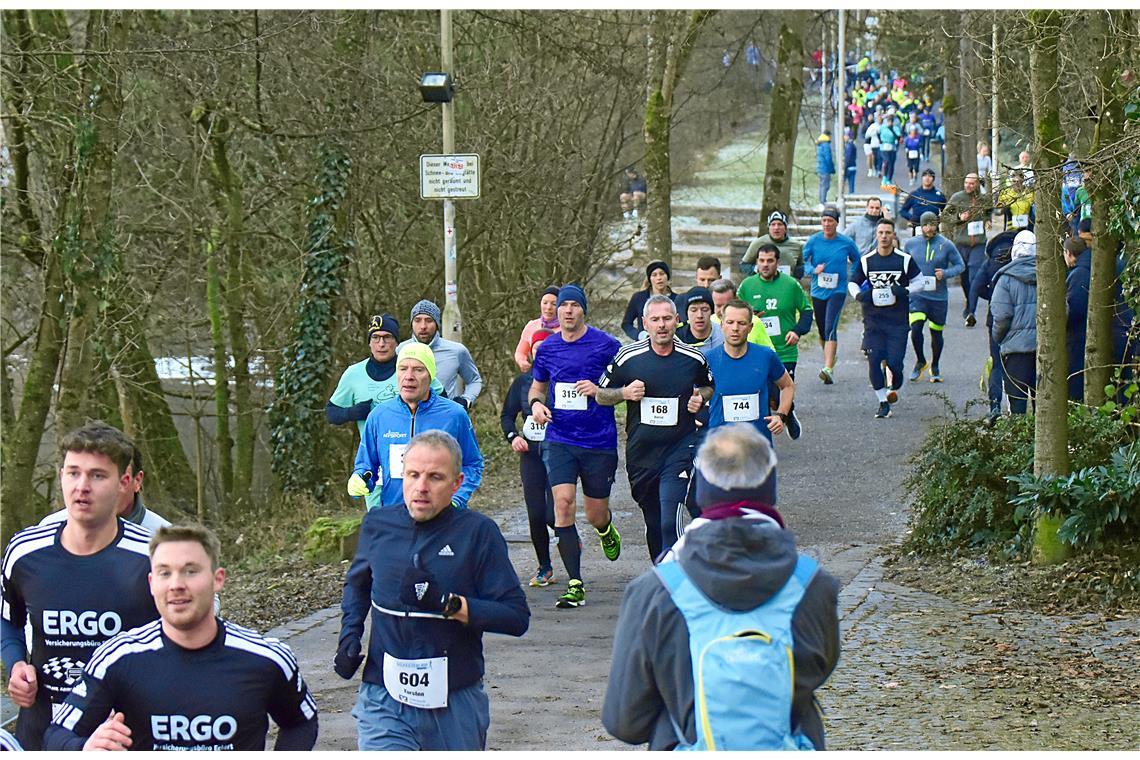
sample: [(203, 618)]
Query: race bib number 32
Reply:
[(661, 412), (418, 683), (567, 397)]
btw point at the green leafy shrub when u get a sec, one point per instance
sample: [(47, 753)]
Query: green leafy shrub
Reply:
[(959, 483), (1097, 503)]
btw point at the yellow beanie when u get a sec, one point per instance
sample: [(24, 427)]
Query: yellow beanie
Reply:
[(413, 349)]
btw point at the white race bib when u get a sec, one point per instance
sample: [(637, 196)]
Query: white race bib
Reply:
[(418, 683), (771, 325), (661, 412), (532, 431), (882, 297), (785, 269), (929, 283), (567, 397), (976, 228), (912, 154), (829, 280), (742, 408), (926, 133), (396, 460), (1021, 220)]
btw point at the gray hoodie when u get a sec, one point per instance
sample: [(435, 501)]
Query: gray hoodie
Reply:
[(1014, 306), (738, 563)]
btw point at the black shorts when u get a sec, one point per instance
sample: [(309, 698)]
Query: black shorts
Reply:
[(566, 464)]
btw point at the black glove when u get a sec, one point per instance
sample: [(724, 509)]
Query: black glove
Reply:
[(900, 291), (420, 589), (864, 296), (463, 402), (360, 411), (348, 658)]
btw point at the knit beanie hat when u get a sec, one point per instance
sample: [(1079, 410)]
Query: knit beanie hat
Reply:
[(1025, 244), (572, 292), (384, 323), (655, 265), (427, 307), (695, 295), (551, 291), (421, 353)]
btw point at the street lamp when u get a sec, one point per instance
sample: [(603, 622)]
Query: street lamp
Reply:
[(435, 87)]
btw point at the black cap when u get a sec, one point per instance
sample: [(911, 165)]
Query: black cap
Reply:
[(830, 211), (928, 172), (695, 295)]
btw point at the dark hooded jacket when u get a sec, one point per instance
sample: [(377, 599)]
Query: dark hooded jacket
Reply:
[(738, 563)]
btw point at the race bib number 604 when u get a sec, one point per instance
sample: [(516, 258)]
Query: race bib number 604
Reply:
[(418, 683)]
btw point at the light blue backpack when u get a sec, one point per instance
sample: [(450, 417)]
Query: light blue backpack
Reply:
[(743, 671)]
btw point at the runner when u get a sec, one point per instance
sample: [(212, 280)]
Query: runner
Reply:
[(547, 320), (189, 681), (453, 360), (785, 311), (370, 382), (791, 250), (78, 582), (723, 291), (380, 456), (939, 261), (708, 271), (433, 580), (744, 374), (581, 436), (131, 507), (862, 230), (528, 443), (967, 214), (657, 274), (698, 329), (664, 384), (829, 254), (882, 282)]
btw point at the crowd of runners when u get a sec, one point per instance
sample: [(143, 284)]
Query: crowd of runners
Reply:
[(111, 633)]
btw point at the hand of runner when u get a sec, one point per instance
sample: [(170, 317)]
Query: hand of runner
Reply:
[(775, 424), (114, 735), (22, 684), (585, 388), (792, 338), (696, 401), (938, 274), (519, 444), (540, 412), (635, 391), (819, 268)]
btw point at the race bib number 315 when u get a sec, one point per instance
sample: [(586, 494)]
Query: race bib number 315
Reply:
[(566, 396)]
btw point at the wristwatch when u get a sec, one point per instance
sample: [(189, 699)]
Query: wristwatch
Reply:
[(453, 605)]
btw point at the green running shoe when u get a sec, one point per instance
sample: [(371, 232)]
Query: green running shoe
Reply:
[(575, 596), (611, 542)]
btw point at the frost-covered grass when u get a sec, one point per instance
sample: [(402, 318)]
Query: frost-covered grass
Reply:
[(734, 175)]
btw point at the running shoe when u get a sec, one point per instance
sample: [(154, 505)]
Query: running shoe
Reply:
[(884, 411), (916, 373), (935, 375), (795, 429), (544, 577), (575, 596), (611, 542), (971, 320), (826, 376), (892, 396)]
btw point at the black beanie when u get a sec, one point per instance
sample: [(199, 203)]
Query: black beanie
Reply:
[(658, 265)]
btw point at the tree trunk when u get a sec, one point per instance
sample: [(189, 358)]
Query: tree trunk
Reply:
[(91, 261), (951, 100), (147, 420), (222, 438), (1110, 41), (1051, 432), (297, 419), (669, 48), (233, 293), (784, 117), (964, 125)]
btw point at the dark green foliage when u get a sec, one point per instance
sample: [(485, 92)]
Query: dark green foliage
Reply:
[(297, 415), (960, 483), (1097, 503)]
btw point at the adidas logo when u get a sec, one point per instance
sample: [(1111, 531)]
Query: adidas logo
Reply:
[(421, 589), (446, 551)]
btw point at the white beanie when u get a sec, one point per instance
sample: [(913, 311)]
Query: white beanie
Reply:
[(1025, 244)]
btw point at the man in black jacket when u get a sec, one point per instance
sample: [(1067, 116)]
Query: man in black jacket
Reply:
[(739, 555)]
